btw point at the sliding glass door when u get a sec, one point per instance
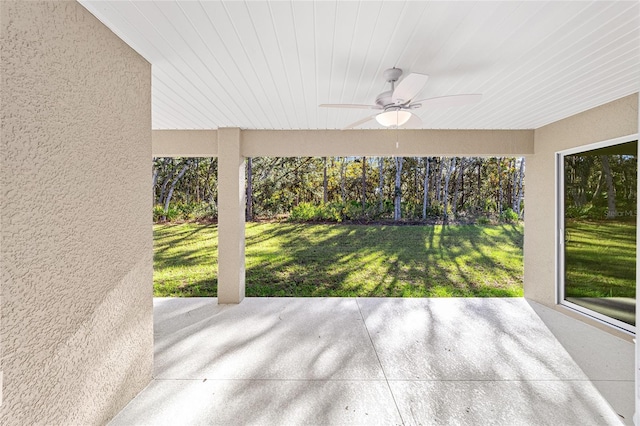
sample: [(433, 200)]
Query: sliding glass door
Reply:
[(597, 200)]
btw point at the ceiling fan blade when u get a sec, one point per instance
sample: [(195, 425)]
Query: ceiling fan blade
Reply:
[(350, 106), (359, 122), (409, 88), (448, 101), (414, 122)]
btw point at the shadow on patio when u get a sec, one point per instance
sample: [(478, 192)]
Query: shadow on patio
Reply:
[(361, 361)]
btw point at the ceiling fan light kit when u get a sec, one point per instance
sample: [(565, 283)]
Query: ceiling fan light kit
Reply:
[(397, 102), (393, 118)]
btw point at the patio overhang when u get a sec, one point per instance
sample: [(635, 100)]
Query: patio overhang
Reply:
[(344, 143)]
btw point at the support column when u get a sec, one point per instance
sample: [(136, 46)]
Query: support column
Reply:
[(231, 217)]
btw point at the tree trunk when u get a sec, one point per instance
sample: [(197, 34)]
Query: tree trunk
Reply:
[(364, 184), (514, 186), (611, 190), (167, 179), (156, 173), (499, 185), (173, 186), (598, 189), (397, 207), (343, 192), (520, 177), (462, 194), (479, 189), (325, 195), (445, 195), (439, 180), (208, 192), (425, 189), (415, 180), (249, 189), (381, 182), (454, 203)]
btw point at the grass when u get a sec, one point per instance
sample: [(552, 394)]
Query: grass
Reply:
[(284, 259), (600, 259)]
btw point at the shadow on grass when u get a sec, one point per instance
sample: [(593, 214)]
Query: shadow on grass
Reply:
[(600, 259), (378, 261), (303, 260), (185, 245)]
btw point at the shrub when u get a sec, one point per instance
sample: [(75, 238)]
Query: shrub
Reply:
[(182, 211), (337, 212), (159, 213), (411, 210), (509, 216), (352, 211), (597, 213), (205, 211), (185, 211), (332, 212), (588, 211), (483, 220), (436, 209), (172, 214), (303, 212), (576, 212)]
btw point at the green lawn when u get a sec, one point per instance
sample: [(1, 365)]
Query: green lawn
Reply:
[(600, 259), (284, 259)]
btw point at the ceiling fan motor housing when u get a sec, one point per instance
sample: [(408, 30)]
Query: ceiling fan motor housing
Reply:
[(392, 74), (384, 98)]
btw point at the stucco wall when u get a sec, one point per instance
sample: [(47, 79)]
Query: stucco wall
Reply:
[(76, 248), (615, 119)]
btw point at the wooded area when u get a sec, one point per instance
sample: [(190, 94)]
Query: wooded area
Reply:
[(349, 188), (601, 186)]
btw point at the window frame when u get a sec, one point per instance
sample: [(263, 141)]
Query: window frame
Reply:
[(560, 234)]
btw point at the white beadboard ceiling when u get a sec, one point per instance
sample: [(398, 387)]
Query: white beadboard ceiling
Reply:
[(267, 65)]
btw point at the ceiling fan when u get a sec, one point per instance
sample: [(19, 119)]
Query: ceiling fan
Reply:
[(396, 104)]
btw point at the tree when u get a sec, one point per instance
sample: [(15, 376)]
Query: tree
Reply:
[(324, 181), (611, 190), (381, 183), (520, 177), (343, 192), (169, 163), (249, 189), (438, 177), (425, 193), (449, 166), (413, 185), (499, 161), (459, 174), (397, 207), (364, 184), (173, 186)]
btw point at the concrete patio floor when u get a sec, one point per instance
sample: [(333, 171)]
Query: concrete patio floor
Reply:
[(273, 361)]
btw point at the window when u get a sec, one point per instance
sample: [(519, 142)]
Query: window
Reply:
[(597, 208)]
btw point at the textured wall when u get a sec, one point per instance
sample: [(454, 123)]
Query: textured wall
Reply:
[(76, 225), (615, 119)]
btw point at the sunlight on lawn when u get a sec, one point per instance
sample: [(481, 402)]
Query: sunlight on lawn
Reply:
[(284, 259), (601, 259)]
